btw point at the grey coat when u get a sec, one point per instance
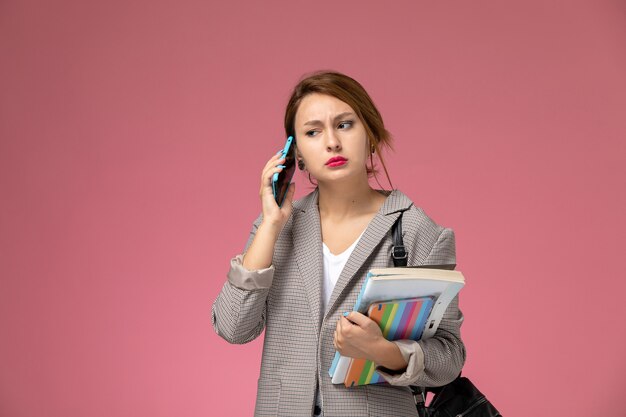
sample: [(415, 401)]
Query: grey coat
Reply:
[(285, 300)]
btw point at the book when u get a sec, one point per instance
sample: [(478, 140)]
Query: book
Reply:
[(398, 319), (399, 286)]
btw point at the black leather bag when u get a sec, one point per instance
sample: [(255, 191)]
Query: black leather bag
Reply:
[(460, 398)]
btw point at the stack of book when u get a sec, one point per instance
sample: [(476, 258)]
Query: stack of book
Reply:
[(407, 303)]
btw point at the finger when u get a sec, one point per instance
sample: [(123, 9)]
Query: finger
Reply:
[(338, 339), (274, 160), (278, 155), (358, 318), (271, 170), (343, 328), (273, 165), (266, 178), (346, 327)]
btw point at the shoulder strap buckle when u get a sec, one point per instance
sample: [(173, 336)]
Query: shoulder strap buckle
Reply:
[(398, 252)]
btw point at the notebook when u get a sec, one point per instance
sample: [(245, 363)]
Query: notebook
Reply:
[(388, 285), (401, 319)]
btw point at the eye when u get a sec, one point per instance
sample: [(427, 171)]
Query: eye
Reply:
[(346, 124), (311, 133)]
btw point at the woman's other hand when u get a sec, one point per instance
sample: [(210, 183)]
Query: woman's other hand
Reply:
[(358, 336)]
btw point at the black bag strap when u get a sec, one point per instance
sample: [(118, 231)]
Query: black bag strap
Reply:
[(398, 251), (400, 259)]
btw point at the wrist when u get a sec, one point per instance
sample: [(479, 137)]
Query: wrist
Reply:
[(380, 351), (389, 356), (269, 228)]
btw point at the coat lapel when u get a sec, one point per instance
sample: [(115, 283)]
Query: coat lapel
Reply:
[(307, 246), (378, 228), (307, 240)]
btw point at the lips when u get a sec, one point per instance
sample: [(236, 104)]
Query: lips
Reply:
[(336, 160)]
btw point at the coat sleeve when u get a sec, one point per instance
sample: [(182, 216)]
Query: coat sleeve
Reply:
[(438, 360), (238, 313)]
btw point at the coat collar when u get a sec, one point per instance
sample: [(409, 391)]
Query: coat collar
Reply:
[(307, 239), (396, 201)]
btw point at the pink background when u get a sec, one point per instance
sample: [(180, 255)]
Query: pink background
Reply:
[(132, 134)]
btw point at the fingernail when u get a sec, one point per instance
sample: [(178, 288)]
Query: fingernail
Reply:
[(279, 152), (281, 166), (346, 314)]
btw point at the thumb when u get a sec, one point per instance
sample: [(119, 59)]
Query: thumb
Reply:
[(357, 318)]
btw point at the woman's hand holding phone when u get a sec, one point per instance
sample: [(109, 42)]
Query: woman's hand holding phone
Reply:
[(272, 213), (260, 252)]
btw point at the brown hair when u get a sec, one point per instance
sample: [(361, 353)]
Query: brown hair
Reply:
[(349, 91)]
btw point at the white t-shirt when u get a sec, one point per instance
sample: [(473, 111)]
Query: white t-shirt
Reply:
[(333, 265)]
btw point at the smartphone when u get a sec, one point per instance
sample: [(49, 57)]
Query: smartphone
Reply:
[(282, 179)]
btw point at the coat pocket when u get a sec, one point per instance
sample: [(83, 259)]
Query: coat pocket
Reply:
[(267, 397)]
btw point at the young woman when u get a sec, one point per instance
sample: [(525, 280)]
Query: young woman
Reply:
[(304, 264)]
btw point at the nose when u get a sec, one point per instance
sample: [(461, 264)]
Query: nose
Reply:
[(332, 141)]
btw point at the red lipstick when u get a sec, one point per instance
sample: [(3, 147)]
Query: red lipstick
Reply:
[(336, 161)]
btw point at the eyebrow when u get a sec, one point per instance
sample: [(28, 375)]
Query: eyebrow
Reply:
[(339, 116)]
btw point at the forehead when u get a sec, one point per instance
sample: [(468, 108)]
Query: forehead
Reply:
[(317, 106)]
